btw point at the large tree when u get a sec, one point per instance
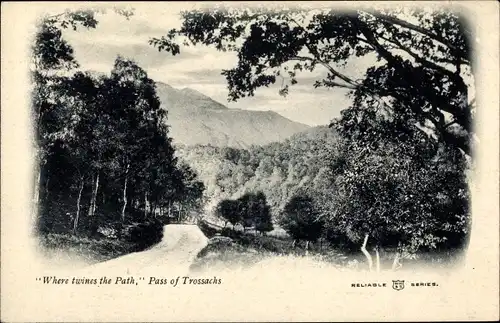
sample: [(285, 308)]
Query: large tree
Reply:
[(398, 191), (302, 220), (229, 211), (422, 67)]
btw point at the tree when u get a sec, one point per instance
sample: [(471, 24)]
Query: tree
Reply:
[(229, 211), (252, 205), (301, 219), (263, 220), (191, 189), (404, 193), (136, 115), (423, 59)]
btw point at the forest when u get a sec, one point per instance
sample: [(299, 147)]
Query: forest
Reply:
[(389, 174), (105, 161), (416, 192)]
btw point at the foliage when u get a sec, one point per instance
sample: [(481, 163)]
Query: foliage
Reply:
[(424, 58), (301, 219), (402, 190), (229, 211), (278, 170), (250, 210), (105, 158), (144, 235), (254, 211), (397, 172)]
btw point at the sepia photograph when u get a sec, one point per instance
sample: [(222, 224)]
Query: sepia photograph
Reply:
[(178, 153)]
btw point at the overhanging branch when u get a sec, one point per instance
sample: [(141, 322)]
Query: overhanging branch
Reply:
[(421, 30)]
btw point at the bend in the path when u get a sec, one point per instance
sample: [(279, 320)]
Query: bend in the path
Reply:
[(173, 254)]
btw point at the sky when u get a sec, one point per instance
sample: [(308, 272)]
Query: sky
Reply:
[(198, 67)]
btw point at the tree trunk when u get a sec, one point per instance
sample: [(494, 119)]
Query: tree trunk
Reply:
[(366, 253), (145, 204), (377, 259), (125, 194), (36, 197), (46, 195), (396, 264), (307, 248), (294, 243), (95, 194), (77, 217), (93, 203)]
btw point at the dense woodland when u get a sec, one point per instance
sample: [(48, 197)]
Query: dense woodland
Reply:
[(279, 170), (105, 162), (389, 173), (405, 184)]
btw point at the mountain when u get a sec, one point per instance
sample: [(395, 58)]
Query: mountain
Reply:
[(195, 118)]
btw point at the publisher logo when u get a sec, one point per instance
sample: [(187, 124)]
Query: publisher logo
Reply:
[(398, 284)]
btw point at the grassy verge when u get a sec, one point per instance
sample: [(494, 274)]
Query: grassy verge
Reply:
[(60, 247), (234, 249), (83, 249)]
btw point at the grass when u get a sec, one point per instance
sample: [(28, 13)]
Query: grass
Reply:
[(223, 253), (83, 249), (235, 249), (86, 249)]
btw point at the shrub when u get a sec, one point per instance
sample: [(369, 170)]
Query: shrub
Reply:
[(144, 235)]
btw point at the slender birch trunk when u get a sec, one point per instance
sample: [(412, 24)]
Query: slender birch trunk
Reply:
[(95, 194), (45, 197), (377, 259), (145, 204), (77, 217), (366, 253), (93, 202), (307, 248), (395, 263), (125, 193), (36, 198)]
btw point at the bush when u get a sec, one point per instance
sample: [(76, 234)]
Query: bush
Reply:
[(87, 249), (144, 235)]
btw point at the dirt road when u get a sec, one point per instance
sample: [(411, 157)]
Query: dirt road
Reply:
[(175, 253)]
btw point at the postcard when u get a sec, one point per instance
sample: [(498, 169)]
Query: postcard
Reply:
[(240, 161)]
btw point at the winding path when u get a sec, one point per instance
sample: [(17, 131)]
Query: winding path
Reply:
[(173, 254)]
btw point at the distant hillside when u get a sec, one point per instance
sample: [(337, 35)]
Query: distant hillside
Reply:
[(197, 119), (279, 169)]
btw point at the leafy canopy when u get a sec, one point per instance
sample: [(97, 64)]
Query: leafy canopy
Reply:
[(301, 218), (423, 59)]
